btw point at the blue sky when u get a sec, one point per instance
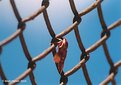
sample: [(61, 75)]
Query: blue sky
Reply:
[(38, 39)]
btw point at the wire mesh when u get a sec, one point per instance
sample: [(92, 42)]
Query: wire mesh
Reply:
[(85, 56)]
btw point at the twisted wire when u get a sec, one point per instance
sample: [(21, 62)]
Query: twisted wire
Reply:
[(85, 55)]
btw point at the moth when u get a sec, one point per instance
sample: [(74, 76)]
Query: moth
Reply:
[(60, 56)]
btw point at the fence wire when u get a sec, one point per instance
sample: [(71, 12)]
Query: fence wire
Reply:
[(85, 56)]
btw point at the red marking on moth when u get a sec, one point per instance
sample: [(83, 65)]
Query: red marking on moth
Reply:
[(60, 56)]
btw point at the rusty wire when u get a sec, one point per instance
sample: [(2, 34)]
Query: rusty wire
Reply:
[(85, 52)]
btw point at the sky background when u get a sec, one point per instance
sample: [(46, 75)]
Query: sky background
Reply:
[(38, 39)]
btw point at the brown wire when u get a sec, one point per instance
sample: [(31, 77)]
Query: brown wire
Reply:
[(28, 56), (47, 21), (2, 74), (112, 75), (80, 44), (75, 68), (74, 26), (104, 27)]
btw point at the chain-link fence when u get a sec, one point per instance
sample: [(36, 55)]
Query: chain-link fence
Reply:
[(85, 56)]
